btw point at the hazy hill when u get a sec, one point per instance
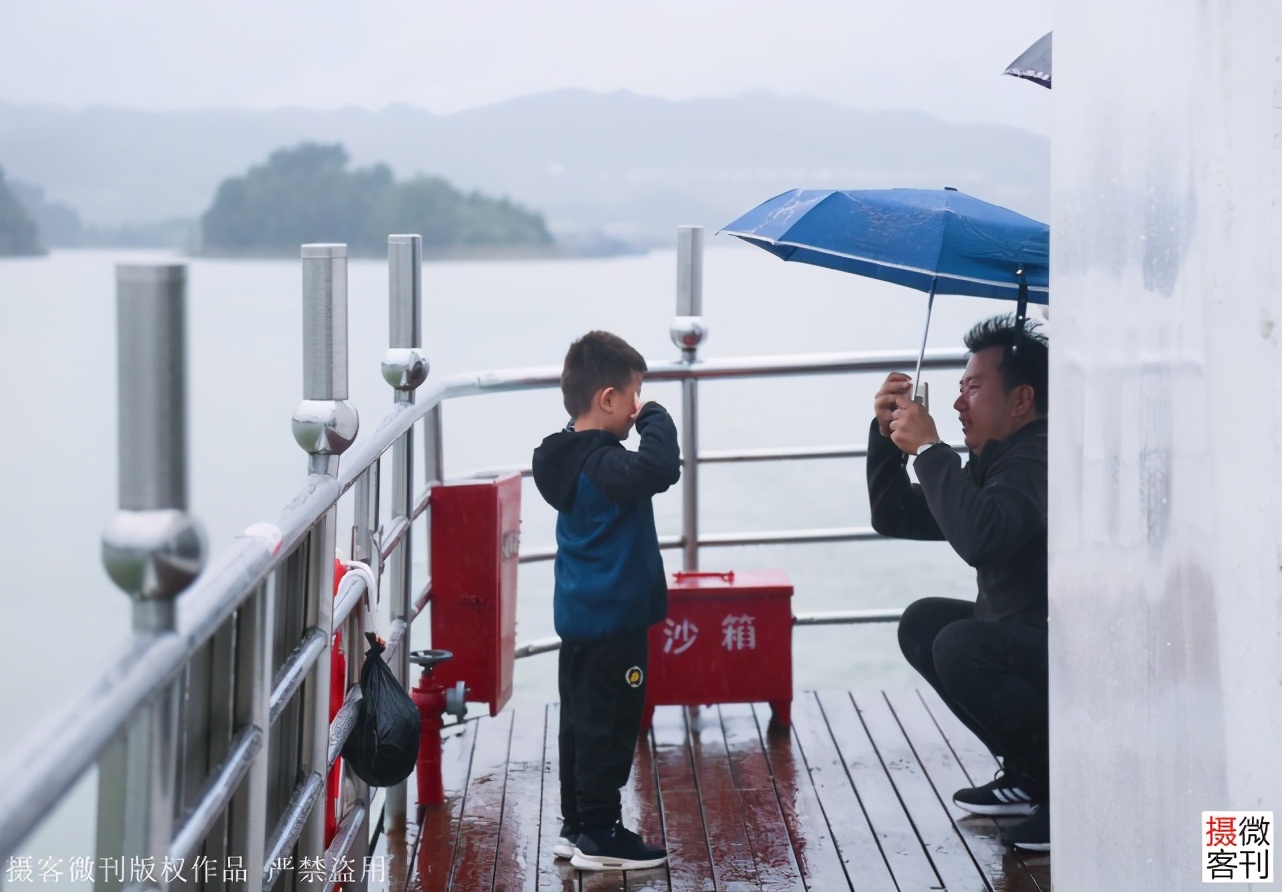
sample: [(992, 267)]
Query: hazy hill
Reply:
[(18, 233), (630, 165)]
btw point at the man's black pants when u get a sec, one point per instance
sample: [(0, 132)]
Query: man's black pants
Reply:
[(602, 687), (992, 675)]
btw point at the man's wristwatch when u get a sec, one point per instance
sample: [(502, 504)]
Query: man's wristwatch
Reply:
[(924, 446)]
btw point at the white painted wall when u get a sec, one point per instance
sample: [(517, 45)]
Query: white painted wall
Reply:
[(1166, 484)]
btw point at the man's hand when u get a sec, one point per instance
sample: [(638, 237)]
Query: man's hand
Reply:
[(911, 425), (884, 403)]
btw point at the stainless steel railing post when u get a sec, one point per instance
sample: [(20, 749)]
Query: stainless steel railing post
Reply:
[(404, 368), (365, 516), (252, 707), (152, 549), (688, 331), (324, 425)]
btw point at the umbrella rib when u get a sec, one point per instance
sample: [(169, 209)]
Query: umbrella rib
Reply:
[(1041, 289)]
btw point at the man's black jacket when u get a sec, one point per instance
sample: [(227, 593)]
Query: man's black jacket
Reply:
[(992, 512)]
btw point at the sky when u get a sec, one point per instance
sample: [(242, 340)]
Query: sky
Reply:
[(944, 57)]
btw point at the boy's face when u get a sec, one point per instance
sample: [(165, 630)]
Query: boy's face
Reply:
[(620, 407)]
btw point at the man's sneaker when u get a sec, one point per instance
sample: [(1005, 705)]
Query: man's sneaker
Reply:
[(1033, 835), (564, 846), (615, 848), (1002, 796)]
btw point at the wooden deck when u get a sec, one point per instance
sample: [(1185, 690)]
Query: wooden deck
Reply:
[(857, 795)]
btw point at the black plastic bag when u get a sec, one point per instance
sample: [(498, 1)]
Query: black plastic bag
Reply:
[(383, 745)]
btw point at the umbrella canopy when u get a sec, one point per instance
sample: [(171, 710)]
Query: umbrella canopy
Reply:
[(933, 240), (1034, 63), (938, 241)]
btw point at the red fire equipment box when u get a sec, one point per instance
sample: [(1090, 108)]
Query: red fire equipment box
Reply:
[(475, 538), (727, 639)]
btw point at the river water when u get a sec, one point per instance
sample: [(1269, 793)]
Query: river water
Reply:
[(60, 617)]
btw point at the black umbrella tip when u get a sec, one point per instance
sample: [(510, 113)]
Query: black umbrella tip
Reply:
[(950, 188)]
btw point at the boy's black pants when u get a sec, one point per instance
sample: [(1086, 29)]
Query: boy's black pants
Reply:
[(602, 687), (992, 675)]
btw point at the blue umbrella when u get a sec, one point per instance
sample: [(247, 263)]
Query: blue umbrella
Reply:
[(938, 241)]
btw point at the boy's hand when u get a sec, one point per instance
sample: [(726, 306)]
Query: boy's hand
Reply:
[(885, 402)]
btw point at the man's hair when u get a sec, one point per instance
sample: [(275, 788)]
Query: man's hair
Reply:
[(595, 361), (1025, 354)]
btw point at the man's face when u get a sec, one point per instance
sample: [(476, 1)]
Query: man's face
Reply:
[(986, 410)]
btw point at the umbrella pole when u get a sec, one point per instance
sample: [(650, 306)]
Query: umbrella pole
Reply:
[(920, 392)]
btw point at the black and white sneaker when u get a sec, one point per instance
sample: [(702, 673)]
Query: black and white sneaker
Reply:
[(1033, 835), (564, 845), (1000, 797), (615, 848)]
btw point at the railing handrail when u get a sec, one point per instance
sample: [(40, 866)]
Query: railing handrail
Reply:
[(47, 762)]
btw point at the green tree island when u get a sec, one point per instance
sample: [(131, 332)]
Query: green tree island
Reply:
[(307, 194)]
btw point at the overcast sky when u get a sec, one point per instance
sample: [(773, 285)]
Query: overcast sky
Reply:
[(940, 56)]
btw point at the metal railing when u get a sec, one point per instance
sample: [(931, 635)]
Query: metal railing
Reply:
[(211, 729)]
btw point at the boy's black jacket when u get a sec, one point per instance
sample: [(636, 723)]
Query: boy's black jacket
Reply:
[(609, 573)]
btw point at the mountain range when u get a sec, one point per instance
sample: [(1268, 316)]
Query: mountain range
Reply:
[(616, 165)]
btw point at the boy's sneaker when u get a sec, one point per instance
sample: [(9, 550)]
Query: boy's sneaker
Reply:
[(1000, 797), (615, 848), (564, 845), (1033, 835)]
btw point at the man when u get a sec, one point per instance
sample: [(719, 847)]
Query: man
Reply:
[(987, 659)]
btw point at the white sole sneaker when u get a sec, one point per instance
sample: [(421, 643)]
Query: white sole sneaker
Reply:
[(1032, 846), (1004, 810), (605, 862), (563, 848)]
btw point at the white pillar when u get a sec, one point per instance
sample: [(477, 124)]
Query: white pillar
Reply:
[(1166, 434)]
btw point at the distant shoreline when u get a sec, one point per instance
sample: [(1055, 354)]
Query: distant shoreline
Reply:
[(552, 252)]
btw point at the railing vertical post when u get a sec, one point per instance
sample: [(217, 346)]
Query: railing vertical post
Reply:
[(318, 614), (324, 425), (151, 548), (365, 516), (249, 829), (688, 331), (404, 368)]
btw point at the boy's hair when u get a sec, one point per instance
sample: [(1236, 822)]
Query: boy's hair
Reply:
[(595, 361), (1025, 355)]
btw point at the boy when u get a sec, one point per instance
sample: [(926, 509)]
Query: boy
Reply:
[(610, 587)]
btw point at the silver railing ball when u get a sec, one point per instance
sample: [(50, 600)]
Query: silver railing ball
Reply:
[(405, 368), (688, 332), (153, 554), (324, 427)]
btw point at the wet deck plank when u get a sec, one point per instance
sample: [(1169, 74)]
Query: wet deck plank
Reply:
[(483, 802), (813, 846), (437, 836), (686, 839), (733, 867), (894, 830), (777, 869), (516, 861), (1003, 871), (643, 813), (856, 795), (979, 767)]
